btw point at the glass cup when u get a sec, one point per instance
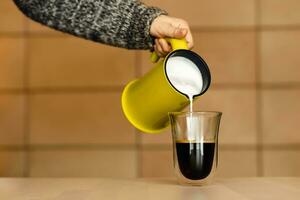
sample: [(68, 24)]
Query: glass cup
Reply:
[(195, 145)]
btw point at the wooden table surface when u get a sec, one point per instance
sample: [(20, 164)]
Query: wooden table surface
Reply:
[(147, 189)]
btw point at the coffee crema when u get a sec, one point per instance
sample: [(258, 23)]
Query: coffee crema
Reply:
[(195, 159)]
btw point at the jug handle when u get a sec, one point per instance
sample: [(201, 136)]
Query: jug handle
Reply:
[(175, 44)]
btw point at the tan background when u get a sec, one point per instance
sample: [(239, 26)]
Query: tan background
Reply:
[(60, 111)]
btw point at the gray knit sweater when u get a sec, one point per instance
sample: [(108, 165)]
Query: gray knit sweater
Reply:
[(121, 23)]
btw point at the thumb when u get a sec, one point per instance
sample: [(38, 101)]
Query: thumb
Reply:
[(179, 32)]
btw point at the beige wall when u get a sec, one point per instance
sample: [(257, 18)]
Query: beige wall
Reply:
[(60, 111)]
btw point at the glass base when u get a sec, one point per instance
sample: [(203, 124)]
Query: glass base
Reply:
[(182, 180), (200, 182)]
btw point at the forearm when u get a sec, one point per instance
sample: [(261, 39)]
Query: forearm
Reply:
[(121, 23)]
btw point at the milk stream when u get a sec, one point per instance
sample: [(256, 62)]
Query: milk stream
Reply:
[(185, 76), (191, 103)]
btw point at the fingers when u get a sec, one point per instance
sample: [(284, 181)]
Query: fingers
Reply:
[(176, 32), (169, 27), (158, 48), (164, 45), (179, 32), (161, 47), (166, 26), (189, 39), (185, 33)]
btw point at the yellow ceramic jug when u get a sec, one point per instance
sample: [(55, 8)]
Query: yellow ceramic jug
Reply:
[(147, 101)]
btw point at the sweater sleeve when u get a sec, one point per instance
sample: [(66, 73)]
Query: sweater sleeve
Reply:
[(120, 23)]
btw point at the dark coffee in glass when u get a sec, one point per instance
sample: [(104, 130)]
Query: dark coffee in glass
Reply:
[(195, 159)]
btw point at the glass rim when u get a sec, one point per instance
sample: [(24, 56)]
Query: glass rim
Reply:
[(203, 113)]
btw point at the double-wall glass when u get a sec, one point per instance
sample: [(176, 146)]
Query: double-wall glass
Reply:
[(195, 145)]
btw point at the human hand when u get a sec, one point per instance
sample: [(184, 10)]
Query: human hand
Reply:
[(165, 26)]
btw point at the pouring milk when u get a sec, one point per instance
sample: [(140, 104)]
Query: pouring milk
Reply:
[(186, 77)]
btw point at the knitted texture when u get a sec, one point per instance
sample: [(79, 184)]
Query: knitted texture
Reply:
[(120, 23)]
